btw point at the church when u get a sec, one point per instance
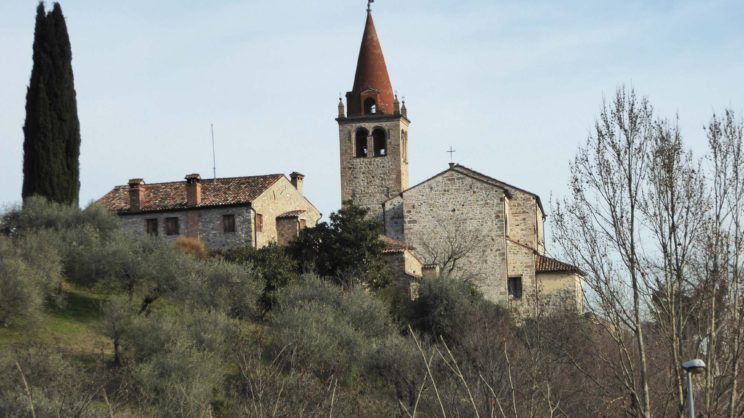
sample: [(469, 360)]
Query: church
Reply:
[(460, 223)]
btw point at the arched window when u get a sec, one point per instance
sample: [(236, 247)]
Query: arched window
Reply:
[(370, 107), (360, 144), (380, 142)]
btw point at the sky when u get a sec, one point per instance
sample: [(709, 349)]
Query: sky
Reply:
[(513, 86)]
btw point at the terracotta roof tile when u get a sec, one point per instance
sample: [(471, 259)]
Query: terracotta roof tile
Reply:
[(172, 196), (393, 245), (545, 264), (292, 214)]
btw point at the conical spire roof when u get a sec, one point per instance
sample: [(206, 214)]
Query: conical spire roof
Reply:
[(371, 74)]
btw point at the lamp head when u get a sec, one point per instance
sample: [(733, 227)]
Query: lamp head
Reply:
[(694, 366)]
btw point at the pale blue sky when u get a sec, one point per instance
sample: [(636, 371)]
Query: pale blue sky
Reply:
[(513, 86)]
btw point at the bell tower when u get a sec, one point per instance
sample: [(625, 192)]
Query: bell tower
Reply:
[(373, 131)]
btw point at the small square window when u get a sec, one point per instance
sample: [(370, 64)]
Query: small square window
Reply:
[(259, 222), (151, 226), (171, 226), (515, 287), (228, 223)]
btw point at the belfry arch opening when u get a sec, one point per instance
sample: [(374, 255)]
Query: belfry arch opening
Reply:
[(370, 106), (380, 142), (360, 143)]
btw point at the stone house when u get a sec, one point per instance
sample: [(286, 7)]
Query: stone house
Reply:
[(222, 212), (471, 226)]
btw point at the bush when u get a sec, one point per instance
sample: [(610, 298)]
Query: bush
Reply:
[(39, 214), (20, 297), (444, 307), (193, 247), (29, 276), (232, 289), (275, 266), (331, 330), (56, 388), (176, 361), (347, 250)]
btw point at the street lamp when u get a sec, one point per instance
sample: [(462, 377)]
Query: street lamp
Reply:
[(695, 366)]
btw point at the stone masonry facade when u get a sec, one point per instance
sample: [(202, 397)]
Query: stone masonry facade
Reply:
[(453, 213), (368, 180), (210, 223), (243, 211)]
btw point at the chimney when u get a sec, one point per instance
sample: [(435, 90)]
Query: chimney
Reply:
[(136, 194), (193, 190), (297, 180)]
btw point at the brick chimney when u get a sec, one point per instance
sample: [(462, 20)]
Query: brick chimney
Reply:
[(193, 190), (136, 194), (297, 180)]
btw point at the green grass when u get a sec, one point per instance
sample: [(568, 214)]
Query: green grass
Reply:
[(74, 327)]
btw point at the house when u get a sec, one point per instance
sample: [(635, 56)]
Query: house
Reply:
[(222, 212)]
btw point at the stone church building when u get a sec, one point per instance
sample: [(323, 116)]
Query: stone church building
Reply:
[(460, 222)]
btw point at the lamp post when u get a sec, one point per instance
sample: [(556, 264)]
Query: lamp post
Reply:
[(695, 366)]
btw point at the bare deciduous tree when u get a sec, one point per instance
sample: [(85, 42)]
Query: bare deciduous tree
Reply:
[(599, 228)]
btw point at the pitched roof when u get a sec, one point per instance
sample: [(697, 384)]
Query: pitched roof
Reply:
[(545, 264), (172, 196), (291, 214), (490, 180), (371, 72), (393, 245), (478, 176)]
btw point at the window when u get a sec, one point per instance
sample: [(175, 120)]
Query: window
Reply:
[(259, 222), (303, 224), (515, 287), (360, 145), (228, 223), (380, 142), (171, 226), (151, 226), (370, 107)]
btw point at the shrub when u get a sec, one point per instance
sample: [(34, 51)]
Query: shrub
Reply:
[(331, 330), (56, 387), (444, 307), (29, 276), (275, 266), (193, 247), (176, 361), (39, 214), (233, 289), (347, 250), (20, 298)]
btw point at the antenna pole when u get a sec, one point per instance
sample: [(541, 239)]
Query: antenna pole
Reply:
[(214, 159)]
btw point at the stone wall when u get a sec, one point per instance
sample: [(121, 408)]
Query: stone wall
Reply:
[(287, 229), (525, 215), (561, 289), (394, 220), (279, 199), (369, 181), (455, 211), (206, 221), (521, 262), (406, 270)]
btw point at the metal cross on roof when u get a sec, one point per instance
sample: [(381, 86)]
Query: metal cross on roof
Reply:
[(369, 5), (451, 153)]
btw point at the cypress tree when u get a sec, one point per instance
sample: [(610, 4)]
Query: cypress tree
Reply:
[(51, 146)]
